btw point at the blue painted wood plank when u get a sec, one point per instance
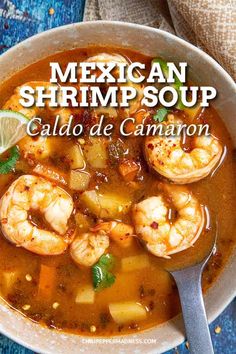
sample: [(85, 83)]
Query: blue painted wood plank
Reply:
[(23, 18), (20, 19)]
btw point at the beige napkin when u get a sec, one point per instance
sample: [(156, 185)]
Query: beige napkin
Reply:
[(208, 24)]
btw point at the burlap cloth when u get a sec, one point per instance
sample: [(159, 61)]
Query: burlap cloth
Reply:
[(208, 24)]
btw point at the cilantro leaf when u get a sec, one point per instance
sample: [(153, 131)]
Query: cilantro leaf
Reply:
[(102, 277), (9, 164), (160, 115)]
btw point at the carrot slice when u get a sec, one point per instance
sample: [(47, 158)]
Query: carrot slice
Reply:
[(128, 169), (47, 279)]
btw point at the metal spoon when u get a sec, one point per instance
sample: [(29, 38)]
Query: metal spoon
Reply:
[(187, 269), (188, 281)]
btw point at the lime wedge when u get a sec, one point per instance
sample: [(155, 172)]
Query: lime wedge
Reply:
[(12, 128)]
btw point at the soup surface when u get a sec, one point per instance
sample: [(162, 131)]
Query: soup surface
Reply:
[(105, 178)]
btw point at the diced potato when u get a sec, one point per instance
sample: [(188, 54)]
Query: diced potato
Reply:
[(192, 112), (128, 311), (91, 201), (9, 278), (79, 180), (82, 221), (105, 205), (132, 263), (96, 153), (113, 205), (76, 157), (85, 295)]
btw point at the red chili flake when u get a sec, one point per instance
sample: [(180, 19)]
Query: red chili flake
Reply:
[(4, 221), (154, 225), (150, 146)]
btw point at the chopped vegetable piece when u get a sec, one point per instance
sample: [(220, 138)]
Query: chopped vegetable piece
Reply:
[(50, 173), (96, 152), (79, 180), (85, 295), (28, 277), (93, 329), (26, 307), (128, 169), (160, 115), (9, 164), (116, 151), (47, 279), (105, 205), (113, 205), (91, 201), (9, 278), (55, 305), (75, 155), (127, 311), (132, 263), (102, 277), (83, 222), (194, 111), (177, 84)]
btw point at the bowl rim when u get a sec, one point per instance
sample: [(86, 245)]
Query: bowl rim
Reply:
[(122, 24), (179, 339)]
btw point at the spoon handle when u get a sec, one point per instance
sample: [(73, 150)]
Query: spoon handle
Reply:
[(194, 314)]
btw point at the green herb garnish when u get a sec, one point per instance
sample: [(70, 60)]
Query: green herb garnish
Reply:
[(102, 277), (177, 84), (160, 115), (9, 164)]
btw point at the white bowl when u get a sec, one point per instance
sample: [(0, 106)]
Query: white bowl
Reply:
[(203, 70)]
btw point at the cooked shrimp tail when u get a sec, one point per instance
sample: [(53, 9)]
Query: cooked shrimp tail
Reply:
[(162, 235), (30, 193), (167, 157), (87, 248), (119, 232)]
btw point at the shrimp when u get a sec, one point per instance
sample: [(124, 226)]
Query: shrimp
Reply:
[(118, 231), (30, 193), (167, 157), (38, 147), (118, 59), (154, 226), (87, 248)]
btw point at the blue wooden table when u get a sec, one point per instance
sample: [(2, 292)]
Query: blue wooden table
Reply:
[(20, 19)]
